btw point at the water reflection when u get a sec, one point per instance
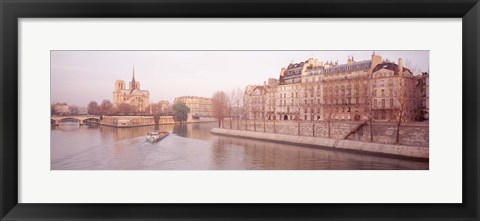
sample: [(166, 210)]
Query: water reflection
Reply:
[(192, 147), (194, 130)]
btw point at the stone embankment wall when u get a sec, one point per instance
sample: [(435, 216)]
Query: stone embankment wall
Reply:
[(411, 134), (337, 129), (390, 149), (127, 121)]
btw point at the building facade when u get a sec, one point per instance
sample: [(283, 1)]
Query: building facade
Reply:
[(354, 91), (61, 108), (200, 107), (138, 99), (164, 106)]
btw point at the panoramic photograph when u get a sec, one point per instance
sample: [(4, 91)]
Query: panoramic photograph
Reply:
[(239, 110)]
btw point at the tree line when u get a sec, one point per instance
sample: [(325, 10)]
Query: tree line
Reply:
[(179, 110)]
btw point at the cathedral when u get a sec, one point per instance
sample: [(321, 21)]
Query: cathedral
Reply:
[(139, 99)]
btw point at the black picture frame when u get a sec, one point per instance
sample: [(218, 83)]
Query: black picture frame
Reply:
[(12, 10)]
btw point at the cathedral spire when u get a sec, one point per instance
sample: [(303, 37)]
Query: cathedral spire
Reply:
[(133, 79), (133, 73)]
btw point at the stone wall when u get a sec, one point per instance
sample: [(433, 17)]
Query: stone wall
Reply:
[(390, 149), (337, 129), (412, 134)]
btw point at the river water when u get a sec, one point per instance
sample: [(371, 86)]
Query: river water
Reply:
[(192, 147)]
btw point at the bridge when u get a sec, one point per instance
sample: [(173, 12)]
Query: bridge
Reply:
[(82, 119)]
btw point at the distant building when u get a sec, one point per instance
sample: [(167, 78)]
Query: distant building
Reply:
[(255, 96), (82, 110), (394, 88), (61, 108), (134, 96), (423, 86), (200, 107), (164, 106)]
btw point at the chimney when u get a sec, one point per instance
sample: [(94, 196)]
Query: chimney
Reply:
[(400, 65), (350, 60), (376, 59)]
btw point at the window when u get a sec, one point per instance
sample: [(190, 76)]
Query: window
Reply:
[(383, 103), (383, 92), (391, 103), (375, 103)]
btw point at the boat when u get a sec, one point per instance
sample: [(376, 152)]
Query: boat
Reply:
[(153, 137)]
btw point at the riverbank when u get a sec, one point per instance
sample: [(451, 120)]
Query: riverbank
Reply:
[(141, 121), (411, 133), (319, 142)]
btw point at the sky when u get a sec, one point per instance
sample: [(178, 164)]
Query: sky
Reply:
[(78, 77)]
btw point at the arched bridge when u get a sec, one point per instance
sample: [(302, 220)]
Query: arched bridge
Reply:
[(82, 119)]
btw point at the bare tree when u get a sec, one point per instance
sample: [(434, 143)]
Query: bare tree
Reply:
[(93, 108), (230, 106), (308, 101), (125, 108), (255, 109), (262, 107), (254, 103), (272, 103), (105, 106), (246, 106), (298, 104), (329, 111), (366, 91), (329, 106), (219, 106), (413, 68), (74, 109), (238, 102), (404, 89)]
